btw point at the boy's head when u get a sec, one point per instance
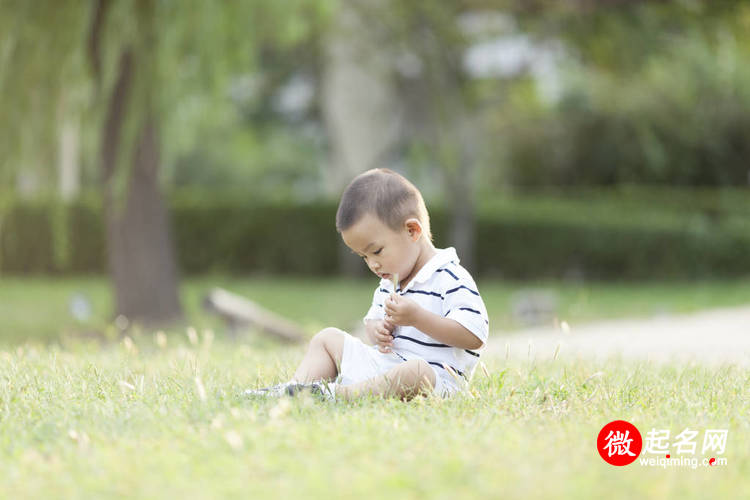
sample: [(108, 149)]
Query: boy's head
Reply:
[(383, 218)]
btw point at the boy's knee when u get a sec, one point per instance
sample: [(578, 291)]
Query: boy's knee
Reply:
[(421, 371), (326, 335)]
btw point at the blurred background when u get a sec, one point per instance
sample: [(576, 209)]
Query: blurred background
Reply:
[(586, 158)]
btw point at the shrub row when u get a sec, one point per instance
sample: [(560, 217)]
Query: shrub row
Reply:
[(531, 237)]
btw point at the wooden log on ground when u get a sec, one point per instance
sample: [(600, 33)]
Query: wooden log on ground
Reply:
[(242, 313)]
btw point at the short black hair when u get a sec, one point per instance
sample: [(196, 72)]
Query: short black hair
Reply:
[(386, 194)]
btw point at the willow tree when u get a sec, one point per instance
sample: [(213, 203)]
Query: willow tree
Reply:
[(138, 62)]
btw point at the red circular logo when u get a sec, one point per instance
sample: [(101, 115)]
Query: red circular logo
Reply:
[(619, 443)]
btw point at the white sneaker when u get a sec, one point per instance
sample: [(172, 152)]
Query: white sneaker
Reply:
[(275, 391), (322, 389)]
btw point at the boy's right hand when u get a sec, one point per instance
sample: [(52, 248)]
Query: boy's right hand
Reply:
[(380, 331)]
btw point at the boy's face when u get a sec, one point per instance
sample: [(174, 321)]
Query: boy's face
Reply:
[(385, 251)]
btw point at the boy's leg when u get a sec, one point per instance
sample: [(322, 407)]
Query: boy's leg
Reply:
[(405, 381), (323, 357)]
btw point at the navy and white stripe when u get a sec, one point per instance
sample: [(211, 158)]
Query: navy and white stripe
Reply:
[(445, 270), (443, 287)]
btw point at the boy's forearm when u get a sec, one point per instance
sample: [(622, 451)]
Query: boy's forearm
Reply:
[(368, 327), (447, 331)]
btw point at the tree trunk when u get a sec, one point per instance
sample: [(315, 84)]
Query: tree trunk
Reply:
[(360, 104), (463, 227), (68, 161), (360, 107), (140, 254), (139, 246)]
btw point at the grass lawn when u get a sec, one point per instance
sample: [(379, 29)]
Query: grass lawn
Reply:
[(136, 419), (141, 418), (38, 308)]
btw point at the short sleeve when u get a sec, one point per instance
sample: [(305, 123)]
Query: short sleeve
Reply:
[(376, 310), (464, 304)]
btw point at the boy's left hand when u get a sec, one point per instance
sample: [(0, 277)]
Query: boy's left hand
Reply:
[(401, 311)]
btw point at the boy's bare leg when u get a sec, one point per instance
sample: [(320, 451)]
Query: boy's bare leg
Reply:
[(405, 381), (323, 357)]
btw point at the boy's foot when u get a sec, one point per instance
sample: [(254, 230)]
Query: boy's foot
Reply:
[(275, 391), (323, 390)]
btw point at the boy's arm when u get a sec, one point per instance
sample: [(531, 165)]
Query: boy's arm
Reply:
[(405, 312), (446, 330)]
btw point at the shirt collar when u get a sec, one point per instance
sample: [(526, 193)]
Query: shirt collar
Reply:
[(442, 257)]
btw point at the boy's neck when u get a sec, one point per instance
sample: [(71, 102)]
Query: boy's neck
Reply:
[(426, 252)]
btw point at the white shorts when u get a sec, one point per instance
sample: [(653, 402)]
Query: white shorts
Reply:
[(361, 362)]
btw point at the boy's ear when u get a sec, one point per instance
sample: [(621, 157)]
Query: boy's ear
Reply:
[(414, 228)]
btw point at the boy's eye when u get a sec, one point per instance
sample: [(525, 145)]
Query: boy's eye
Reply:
[(377, 252)]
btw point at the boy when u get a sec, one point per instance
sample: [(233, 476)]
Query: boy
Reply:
[(425, 328)]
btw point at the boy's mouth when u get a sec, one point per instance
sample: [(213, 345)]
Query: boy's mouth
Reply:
[(384, 276)]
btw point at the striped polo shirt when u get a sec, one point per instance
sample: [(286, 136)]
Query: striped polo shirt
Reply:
[(445, 288)]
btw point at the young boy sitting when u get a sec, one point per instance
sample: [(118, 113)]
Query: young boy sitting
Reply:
[(426, 327)]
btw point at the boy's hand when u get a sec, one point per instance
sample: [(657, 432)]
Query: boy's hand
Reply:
[(401, 311), (379, 332)]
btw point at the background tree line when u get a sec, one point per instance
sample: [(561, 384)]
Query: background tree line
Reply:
[(474, 100)]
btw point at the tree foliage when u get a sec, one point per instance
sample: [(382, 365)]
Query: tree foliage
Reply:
[(41, 76), (137, 62), (194, 49), (652, 91)]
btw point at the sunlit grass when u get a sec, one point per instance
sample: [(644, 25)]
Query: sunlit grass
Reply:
[(154, 417), (86, 412)]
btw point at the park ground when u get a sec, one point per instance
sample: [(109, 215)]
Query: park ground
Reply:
[(157, 414)]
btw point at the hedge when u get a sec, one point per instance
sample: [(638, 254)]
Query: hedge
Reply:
[(523, 237)]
